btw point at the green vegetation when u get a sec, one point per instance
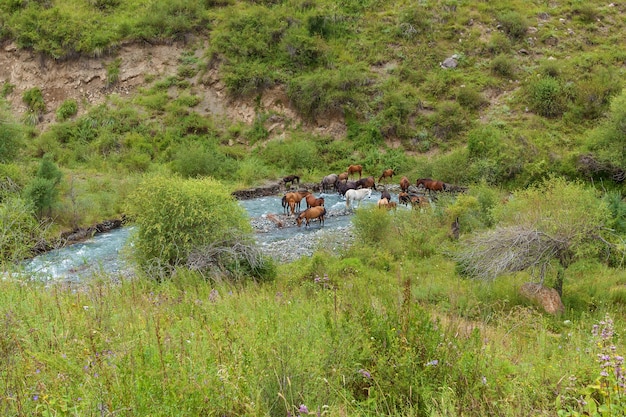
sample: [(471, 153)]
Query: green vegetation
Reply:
[(530, 121)]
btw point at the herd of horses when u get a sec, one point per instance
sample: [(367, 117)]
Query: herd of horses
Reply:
[(355, 191)]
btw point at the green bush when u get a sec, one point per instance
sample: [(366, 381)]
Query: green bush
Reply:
[(176, 217), (291, 155), (33, 98), (545, 97), (503, 66), (513, 24), (43, 190), (19, 230), (195, 160), (66, 110), (470, 99), (11, 139), (372, 225), (498, 44)]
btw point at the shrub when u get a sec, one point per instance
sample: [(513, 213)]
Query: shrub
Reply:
[(33, 98), (113, 72), (498, 44), (195, 160), (470, 99), (293, 155), (503, 66), (11, 139), (66, 110), (513, 24), (176, 218), (545, 97), (19, 230), (43, 190)]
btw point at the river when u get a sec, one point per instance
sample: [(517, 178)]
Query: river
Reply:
[(104, 253)]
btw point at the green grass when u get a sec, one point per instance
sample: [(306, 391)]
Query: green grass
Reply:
[(350, 341)]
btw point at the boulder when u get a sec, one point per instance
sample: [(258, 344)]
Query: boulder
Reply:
[(547, 298)]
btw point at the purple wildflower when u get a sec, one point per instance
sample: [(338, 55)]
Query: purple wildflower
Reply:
[(303, 409), (434, 362), (365, 373)]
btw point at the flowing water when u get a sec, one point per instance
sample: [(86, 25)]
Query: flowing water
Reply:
[(103, 254)]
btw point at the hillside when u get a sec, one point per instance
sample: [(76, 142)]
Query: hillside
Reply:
[(503, 94)]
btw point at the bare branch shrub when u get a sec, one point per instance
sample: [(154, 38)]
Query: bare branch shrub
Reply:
[(231, 259), (508, 249)]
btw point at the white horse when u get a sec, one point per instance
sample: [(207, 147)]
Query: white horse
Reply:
[(357, 195)]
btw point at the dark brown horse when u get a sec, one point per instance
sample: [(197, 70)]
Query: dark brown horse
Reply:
[(430, 184), (388, 173), (353, 169), (405, 184), (419, 201), (368, 182), (404, 198), (311, 213), (312, 201), (291, 179), (385, 194), (342, 187)]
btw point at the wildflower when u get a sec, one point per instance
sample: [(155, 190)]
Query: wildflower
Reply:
[(484, 380), (434, 362), (365, 373), (213, 295), (35, 397), (303, 409)]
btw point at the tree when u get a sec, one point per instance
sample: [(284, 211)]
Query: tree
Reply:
[(192, 223), (553, 220), (43, 190)]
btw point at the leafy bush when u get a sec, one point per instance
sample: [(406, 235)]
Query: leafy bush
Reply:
[(43, 190), (608, 140), (19, 230), (503, 66), (498, 44), (470, 99), (195, 160), (513, 24), (66, 110), (176, 217), (11, 139), (33, 98), (545, 97), (291, 155)]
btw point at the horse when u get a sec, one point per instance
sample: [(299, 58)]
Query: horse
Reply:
[(312, 201), (385, 194), (293, 200), (418, 201), (404, 198), (430, 184), (329, 181), (368, 182), (292, 179), (405, 184), (342, 177), (353, 169), (357, 195), (342, 187), (311, 213), (383, 203), (387, 173)]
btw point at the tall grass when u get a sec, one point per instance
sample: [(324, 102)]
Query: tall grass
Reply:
[(334, 336)]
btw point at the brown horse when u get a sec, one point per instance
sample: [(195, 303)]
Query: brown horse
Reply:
[(404, 198), (292, 200), (342, 177), (430, 184), (312, 201), (368, 182), (388, 173), (419, 201), (405, 184), (312, 213), (383, 202), (353, 169)]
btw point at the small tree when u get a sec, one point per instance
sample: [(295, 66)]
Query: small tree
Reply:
[(192, 223), (554, 220), (43, 190)]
